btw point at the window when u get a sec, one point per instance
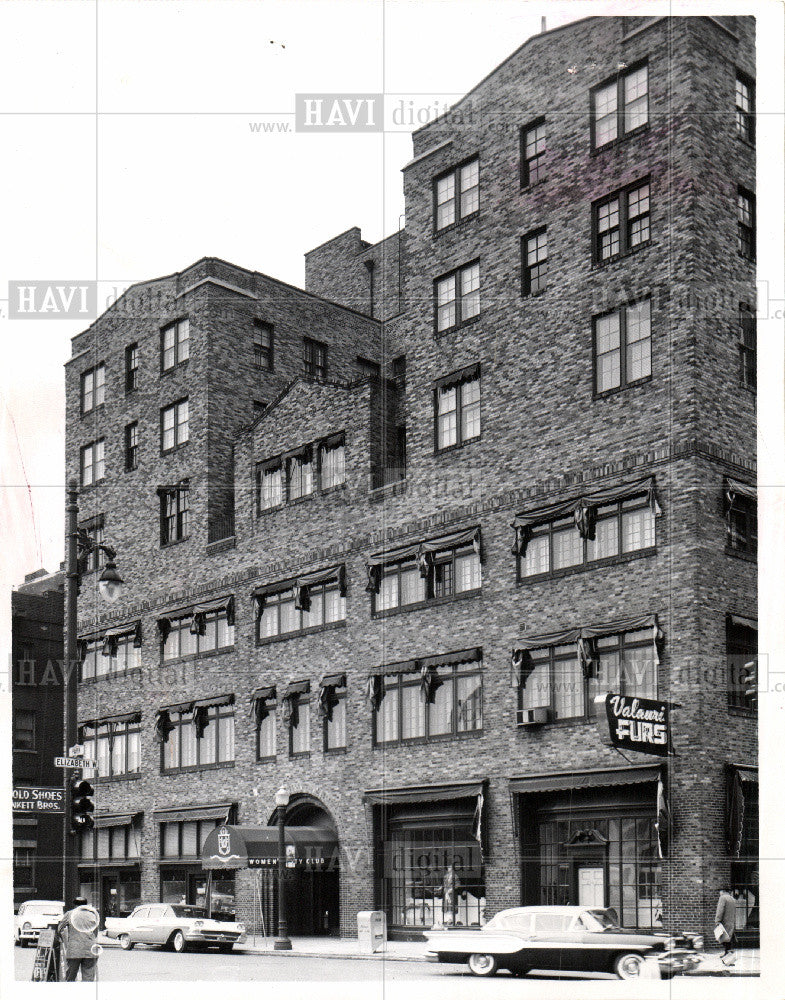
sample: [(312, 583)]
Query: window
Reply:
[(174, 425), (174, 512), (263, 345), (282, 612), (621, 527), (24, 729), (334, 730), (314, 358), (745, 108), (620, 222), (266, 733), (445, 568), (533, 149), (184, 839), (332, 462), (174, 344), (457, 297), (555, 678), (399, 371), (535, 261), (369, 369), (91, 463), (620, 106), (131, 446), (741, 641), (115, 746), (622, 347), (201, 736), (204, 632), (745, 213), (449, 706), (95, 558), (300, 479), (93, 388), (269, 485), (259, 406), (300, 725), (131, 367), (742, 520), (457, 194), (457, 408), (111, 655), (118, 843), (748, 346)]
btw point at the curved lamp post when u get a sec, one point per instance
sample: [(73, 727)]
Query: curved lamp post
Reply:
[(282, 942)]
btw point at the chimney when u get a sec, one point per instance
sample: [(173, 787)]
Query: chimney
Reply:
[(543, 26)]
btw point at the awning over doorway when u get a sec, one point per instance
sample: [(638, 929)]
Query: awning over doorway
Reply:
[(424, 793), (229, 847), (555, 781)]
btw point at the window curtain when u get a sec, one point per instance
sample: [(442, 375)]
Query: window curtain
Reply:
[(374, 692), (583, 510), (421, 552), (327, 697), (584, 635), (261, 703), (163, 726), (289, 702), (429, 683)]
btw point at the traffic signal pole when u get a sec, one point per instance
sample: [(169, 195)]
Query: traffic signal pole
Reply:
[(70, 881)]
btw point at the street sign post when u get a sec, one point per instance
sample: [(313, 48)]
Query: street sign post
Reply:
[(75, 762)]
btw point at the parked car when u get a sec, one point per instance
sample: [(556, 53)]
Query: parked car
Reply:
[(32, 917), (567, 939), (174, 926)]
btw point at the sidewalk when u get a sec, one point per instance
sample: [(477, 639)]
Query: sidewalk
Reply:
[(747, 959)]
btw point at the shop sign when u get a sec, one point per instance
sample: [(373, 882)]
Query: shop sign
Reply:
[(39, 800), (639, 724)]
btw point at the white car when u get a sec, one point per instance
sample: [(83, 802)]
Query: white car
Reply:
[(174, 926), (33, 916)]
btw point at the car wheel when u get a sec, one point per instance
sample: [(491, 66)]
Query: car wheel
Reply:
[(225, 949), (178, 941), (628, 966), (482, 965), (125, 942), (22, 942)]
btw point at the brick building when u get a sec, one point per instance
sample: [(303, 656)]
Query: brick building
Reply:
[(37, 730), (385, 539)]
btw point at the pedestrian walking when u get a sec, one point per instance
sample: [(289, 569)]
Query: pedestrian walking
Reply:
[(725, 925), (78, 932)]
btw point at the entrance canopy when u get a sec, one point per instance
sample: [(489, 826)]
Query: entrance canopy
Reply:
[(229, 847)]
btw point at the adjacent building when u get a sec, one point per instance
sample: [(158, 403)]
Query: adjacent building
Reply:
[(386, 539), (37, 731)]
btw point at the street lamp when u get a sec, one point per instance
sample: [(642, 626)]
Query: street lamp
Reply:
[(282, 942), (79, 545)]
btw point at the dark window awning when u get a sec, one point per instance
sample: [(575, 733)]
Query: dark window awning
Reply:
[(104, 820), (95, 723), (264, 693), (229, 847), (594, 498), (555, 781), (740, 620), (297, 687), (565, 636), (333, 681), (461, 656), (734, 489), (298, 583), (469, 536), (425, 793), (176, 814)]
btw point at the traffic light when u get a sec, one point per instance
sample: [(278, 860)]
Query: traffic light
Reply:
[(82, 805)]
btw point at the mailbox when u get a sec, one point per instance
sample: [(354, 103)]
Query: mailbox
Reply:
[(371, 930)]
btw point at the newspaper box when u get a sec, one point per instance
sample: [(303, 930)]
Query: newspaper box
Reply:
[(371, 930)]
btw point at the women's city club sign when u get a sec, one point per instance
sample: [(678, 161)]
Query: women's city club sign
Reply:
[(640, 724)]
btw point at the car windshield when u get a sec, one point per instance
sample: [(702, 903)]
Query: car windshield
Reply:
[(189, 911), (599, 920)]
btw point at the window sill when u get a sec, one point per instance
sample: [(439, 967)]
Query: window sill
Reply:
[(329, 626), (750, 144), (601, 265), (751, 389), (635, 133), (424, 605), (380, 493), (746, 259), (106, 778), (458, 326), (178, 447), (261, 512), (533, 184), (86, 487), (176, 541), (299, 754), (335, 751), (208, 654), (132, 469), (191, 768), (130, 391), (535, 295), (738, 554), (28, 751), (575, 720), (619, 560), (132, 672), (456, 447), (425, 740), (458, 224), (622, 388), (267, 760), (94, 411), (174, 368), (744, 713)]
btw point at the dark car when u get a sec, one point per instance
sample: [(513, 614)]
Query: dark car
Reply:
[(565, 939)]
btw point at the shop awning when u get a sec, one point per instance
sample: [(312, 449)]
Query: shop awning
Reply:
[(176, 814), (554, 781), (104, 820), (229, 847), (425, 793)]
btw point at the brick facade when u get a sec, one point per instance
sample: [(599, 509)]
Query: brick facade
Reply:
[(546, 436)]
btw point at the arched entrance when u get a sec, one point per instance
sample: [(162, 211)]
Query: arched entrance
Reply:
[(312, 889)]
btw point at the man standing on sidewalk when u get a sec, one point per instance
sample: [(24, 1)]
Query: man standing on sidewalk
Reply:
[(725, 918), (77, 931)]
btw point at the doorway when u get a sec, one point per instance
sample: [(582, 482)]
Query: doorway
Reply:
[(591, 885)]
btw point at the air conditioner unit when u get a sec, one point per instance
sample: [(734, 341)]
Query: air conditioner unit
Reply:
[(532, 716)]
